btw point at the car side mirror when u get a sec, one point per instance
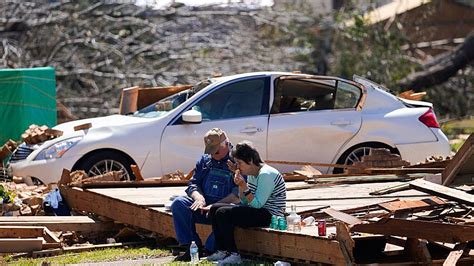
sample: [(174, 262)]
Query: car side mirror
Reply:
[(192, 116)]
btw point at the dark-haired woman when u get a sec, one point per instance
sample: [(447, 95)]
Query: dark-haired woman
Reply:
[(263, 195)]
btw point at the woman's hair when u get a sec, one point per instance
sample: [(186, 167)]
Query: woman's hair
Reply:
[(245, 151)]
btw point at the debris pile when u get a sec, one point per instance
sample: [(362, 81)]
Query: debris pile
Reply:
[(37, 134), (378, 158)]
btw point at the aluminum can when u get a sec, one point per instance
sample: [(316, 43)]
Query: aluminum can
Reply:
[(274, 223), (322, 227), (282, 223)]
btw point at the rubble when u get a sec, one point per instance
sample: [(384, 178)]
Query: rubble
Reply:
[(37, 134)]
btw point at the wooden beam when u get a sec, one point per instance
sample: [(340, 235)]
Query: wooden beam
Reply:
[(402, 171), (432, 231), (134, 184), (356, 179), (10, 245), (462, 162), (264, 241), (61, 223), (21, 231), (442, 191)]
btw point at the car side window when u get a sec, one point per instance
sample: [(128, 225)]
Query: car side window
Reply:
[(239, 99), (299, 95), (347, 95)]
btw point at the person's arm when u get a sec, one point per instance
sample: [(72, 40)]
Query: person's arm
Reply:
[(231, 198), (265, 187), (194, 189)]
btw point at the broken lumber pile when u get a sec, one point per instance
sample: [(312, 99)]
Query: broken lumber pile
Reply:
[(37, 134)]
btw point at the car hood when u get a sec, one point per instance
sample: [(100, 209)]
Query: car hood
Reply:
[(105, 121)]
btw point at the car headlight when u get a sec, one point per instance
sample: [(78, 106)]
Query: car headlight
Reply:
[(58, 149)]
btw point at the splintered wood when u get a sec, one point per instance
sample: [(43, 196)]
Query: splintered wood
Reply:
[(37, 134)]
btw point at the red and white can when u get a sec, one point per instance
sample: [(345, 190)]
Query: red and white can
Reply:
[(322, 227)]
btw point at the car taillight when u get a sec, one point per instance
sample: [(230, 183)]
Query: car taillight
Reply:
[(429, 119)]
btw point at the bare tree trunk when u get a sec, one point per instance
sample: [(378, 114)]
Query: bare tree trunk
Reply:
[(445, 67)]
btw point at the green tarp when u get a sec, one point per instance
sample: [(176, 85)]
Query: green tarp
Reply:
[(27, 96)]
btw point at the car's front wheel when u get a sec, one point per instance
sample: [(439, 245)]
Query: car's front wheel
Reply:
[(355, 154), (106, 161)]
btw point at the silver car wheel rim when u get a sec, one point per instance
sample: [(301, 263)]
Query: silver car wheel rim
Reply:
[(106, 166), (356, 155)]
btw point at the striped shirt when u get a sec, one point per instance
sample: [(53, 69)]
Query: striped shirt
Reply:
[(268, 189)]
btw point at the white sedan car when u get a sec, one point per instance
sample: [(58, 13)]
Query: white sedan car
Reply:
[(288, 116)]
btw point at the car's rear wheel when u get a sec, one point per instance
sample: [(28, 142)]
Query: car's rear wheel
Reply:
[(106, 161), (356, 153)]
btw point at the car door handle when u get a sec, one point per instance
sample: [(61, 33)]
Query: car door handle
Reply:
[(341, 123), (251, 130)]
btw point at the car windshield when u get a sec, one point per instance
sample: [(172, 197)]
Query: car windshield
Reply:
[(169, 103)]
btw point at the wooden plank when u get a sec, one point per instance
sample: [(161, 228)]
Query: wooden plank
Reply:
[(347, 243), (50, 237), (341, 216), (313, 164), (402, 171), (21, 231), (462, 162), (432, 231), (411, 204), (135, 184), (455, 254), (61, 223), (442, 191), (357, 179), (265, 241), (390, 190), (10, 245)]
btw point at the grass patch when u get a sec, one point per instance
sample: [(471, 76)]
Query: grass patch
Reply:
[(109, 254), (456, 127)]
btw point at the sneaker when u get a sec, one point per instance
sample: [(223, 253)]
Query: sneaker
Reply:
[(184, 257), (233, 258), (219, 255)]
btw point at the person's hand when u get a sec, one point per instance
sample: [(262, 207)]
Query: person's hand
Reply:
[(205, 209), (238, 178), (198, 204), (232, 166)]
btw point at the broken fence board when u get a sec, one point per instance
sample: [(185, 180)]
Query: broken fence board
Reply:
[(284, 244), (432, 231), (442, 191)]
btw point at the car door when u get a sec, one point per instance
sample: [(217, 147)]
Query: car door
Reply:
[(311, 119), (238, 107)]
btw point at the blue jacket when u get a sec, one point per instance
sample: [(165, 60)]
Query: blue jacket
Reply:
[(212, 179)]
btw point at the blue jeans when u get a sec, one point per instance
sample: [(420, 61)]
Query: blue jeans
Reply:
[(185, 220)]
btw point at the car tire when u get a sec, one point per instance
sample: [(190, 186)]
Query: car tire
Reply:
[(106, 161), (355, 154)]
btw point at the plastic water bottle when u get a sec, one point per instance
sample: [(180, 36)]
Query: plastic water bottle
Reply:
[(194, 252), (294, 220)]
